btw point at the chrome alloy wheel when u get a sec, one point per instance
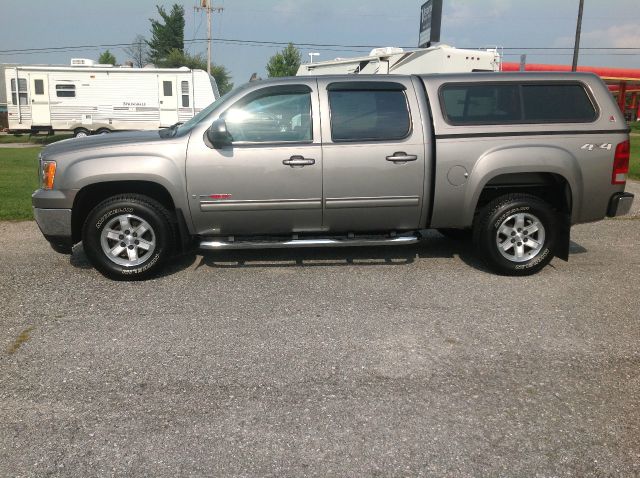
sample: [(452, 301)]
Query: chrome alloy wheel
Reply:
[(128, 240), (520, 237)]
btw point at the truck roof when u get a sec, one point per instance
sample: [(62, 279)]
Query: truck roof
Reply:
[(445, 77)]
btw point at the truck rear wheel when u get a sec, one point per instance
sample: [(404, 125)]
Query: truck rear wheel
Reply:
[(128, 237), (515, 234)]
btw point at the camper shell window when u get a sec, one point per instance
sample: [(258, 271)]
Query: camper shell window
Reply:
[(21, 94), (185, 93), (66, 91), (517, 103)]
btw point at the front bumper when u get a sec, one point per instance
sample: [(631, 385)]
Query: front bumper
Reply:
[(620, 204), (55, 225)]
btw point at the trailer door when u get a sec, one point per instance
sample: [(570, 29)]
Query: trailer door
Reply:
[(168, 100), (40, 110)]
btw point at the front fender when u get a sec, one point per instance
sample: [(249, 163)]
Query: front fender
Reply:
[(164, 170)]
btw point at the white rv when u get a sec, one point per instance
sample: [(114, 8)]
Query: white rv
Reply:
[(389, 60), (87, 98)]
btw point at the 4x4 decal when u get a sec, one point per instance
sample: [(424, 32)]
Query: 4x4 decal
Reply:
[(591, 147)]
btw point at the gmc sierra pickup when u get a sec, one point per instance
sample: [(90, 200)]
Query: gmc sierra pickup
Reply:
[(511, 160)]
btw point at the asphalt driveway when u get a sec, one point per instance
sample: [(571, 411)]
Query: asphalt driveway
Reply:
[(375, 362)]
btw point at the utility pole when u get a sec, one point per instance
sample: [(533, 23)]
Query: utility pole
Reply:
[(576, 47), (205, 5)]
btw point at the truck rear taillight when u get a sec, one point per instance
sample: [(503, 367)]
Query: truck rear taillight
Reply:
[(621, 163)]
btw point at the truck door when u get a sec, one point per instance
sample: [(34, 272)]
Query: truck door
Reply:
[(167, 100), (40, 109), (373, 155), (269, 179)]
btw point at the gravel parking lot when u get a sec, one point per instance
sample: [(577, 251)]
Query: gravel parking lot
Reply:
[(375, 362)]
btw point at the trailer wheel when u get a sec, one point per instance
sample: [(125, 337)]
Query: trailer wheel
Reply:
[(81, 133), (103, 131)]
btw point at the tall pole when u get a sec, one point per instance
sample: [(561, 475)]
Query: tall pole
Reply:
[(206, 6), (209, 36), (576, 47)]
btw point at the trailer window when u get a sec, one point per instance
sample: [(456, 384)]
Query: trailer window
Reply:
[(369, 115), (38, 86), (184, 87), (167, 88), (66, 91), (557, 103), (21, 93)]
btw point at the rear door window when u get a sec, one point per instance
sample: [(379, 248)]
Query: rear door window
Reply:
[(369, 115)]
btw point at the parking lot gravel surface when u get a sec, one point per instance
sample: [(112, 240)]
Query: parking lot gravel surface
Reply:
[(411, 361)]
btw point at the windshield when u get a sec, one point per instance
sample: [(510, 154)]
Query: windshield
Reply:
[(189, 125)]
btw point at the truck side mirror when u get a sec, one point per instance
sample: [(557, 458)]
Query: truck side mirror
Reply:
[(218, 134)]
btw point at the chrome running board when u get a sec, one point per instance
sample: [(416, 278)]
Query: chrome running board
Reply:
[(220, 244)]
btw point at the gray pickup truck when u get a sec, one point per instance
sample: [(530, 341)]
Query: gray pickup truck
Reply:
[(510, 160)]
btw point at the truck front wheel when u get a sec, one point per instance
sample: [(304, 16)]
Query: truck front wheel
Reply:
[(128, 237), (515, 234)]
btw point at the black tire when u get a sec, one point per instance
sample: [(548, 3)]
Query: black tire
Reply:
[(103, 131), (456, 234), (499, 216), (81, 133), (110, 248)]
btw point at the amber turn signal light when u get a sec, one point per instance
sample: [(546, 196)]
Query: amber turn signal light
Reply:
[(48, 174)]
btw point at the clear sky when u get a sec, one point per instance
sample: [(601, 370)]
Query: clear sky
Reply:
[(518, 24)]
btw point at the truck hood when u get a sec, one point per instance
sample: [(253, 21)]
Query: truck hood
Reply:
[(101, 141)]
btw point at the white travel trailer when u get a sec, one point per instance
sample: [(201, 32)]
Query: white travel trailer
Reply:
[(87, 98), (389, 60)]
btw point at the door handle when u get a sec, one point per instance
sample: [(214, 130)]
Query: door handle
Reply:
[(401, 157), (298, 161)]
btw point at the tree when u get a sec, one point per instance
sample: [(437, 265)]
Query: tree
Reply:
[(222, 77), (177, 58), (107, 58), (284, 63), (138, 51), (166, 35)]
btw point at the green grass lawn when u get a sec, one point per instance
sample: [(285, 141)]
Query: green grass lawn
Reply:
[(18, 179), (36, 139), (14, 138), (634, 164)]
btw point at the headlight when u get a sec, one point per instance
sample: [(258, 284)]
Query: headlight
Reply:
[(48, 174)]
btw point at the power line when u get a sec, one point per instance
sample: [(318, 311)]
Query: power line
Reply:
[(265, 43)]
